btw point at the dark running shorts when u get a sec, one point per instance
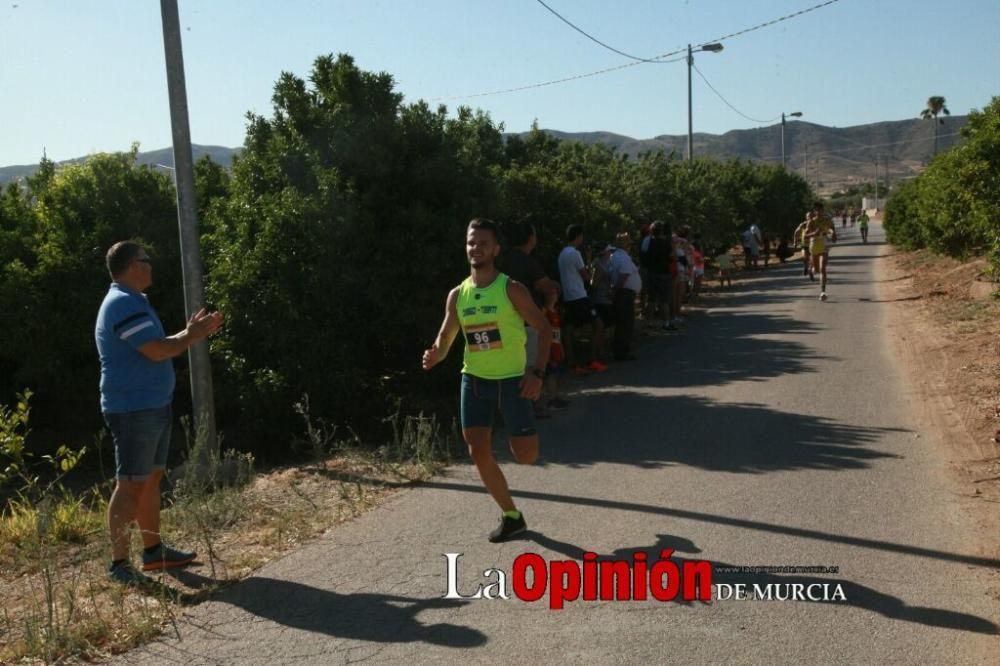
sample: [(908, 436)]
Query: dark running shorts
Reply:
[(481, 398), (580, 312)]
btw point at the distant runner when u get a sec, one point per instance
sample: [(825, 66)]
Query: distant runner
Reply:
[(863, 226), (818, 231), (799, 237), (491, 310)]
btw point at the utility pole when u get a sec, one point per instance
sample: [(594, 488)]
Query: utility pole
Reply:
[(887, 175), (876, 181), (711, 48), (187, 220), (796, 114), (690, 62)]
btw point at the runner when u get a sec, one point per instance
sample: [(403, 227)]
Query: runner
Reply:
[(819, 228), (491, 311), (863, 226), (799, 236)]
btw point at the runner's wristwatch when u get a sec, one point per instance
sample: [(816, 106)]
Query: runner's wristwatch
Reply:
[(538, 372)]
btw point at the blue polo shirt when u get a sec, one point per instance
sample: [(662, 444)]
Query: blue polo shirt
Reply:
[(129, 380)]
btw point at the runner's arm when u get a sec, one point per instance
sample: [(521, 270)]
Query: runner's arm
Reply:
[(520, 297), (446, 336)]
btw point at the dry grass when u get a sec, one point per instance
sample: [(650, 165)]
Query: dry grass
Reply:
[(59, 603)]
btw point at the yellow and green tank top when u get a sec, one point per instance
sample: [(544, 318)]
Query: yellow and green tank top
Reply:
[(493, 330)]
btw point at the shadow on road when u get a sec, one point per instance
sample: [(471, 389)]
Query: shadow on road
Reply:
[(857, 595), (379, 618), (723, 347), (651, 431), (730, 521)]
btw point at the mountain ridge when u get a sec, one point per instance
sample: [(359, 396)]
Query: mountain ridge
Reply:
[(828, 157)]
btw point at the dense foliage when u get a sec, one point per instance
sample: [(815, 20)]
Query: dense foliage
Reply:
[(331, 244), (954, 206)]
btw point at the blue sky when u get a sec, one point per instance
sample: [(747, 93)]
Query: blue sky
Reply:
[(80, 76)]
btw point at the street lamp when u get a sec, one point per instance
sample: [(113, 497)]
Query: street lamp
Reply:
[(797, 114), (711, 48)]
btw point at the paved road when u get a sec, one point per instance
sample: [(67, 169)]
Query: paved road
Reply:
[(775, 431)]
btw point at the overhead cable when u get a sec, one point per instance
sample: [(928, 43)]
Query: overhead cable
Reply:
[(595, 39), (712, 88), (656, 59)]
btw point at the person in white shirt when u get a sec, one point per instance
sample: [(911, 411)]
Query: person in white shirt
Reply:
[(580, 311), (625, 286)]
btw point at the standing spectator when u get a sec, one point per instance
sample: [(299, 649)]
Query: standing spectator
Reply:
[(645, 236), (725, 264), (697, 268), (626, 285), (137, 389), (520, 265), (746, 239), (580, 310), (600, 283), (660, 287), (680, 273)]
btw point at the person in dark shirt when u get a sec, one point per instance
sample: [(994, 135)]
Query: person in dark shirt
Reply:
[(520, 265)]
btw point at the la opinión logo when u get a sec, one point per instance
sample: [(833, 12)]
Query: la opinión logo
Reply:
[(637, 579)]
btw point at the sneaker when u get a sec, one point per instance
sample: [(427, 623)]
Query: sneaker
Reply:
[(597, 366), (126, 574), (166, 557), (558, 403), (822, 296), (508, 528), (581, 370), (670, 327)]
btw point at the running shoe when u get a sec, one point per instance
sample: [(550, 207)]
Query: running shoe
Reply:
[(670, 327), (581, 370), (597, 366), (822, 296), (558, 403), (508, 527), (125, 573), (165, 557)]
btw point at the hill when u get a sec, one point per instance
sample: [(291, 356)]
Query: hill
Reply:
[(163, 158), (829, 157)]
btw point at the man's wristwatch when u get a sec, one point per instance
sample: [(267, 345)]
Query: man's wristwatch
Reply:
[(538, 372)]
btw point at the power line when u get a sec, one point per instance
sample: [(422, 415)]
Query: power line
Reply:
[(546, 83), (773, 21), (595, 39), (656, 59), (756, 120)]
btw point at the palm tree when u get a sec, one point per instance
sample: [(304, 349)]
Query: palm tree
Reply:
[(935, 107)]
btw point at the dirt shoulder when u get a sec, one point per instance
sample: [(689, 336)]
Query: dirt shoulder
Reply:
[(944, 323)]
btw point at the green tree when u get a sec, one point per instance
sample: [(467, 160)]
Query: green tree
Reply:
[(333, 252), (52, 288)]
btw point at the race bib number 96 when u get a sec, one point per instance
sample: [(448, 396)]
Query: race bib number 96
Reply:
[(483, 337)]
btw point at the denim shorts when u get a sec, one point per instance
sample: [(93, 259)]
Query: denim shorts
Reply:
[(481, 398), (142, 441)]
